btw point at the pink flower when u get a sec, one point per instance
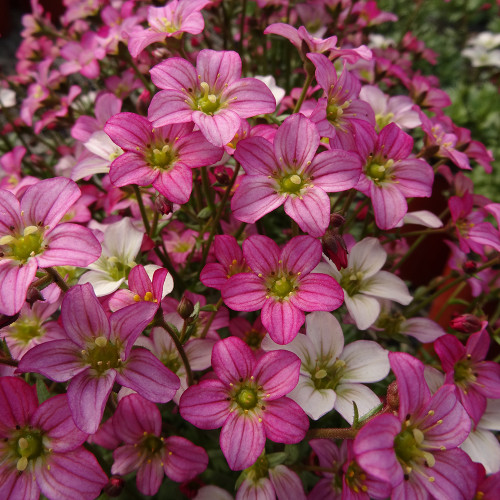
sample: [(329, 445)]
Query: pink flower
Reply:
[(289, 172), (98, 352), (390, 175), (41, 448), (172, 20), (213, 96), (138, 423), (31, 237), (474, 378), (161, 156), (281, 284), (83, 56), (248, 400), (416, 451)]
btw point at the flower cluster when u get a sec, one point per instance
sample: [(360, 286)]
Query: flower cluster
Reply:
[(216, 284)]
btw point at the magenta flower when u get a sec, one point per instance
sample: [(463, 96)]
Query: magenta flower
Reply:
[(416, 451), (31, 237), (289, 172), (98, 352), (83, 56), (230, 262), (474, 378), (248, 400), (390, 175), (41, 448), (161, 156), (281, 284), (138, 423), (213, 96), (172, 20)]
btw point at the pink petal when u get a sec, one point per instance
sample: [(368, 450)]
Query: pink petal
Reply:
[(9, 212), (232, 360), (147, 375), (397, 144), (282, 320), (87, 397), (389, 205), (227, 249), (244, 292), (318, 292), (175, 73), (82, 315), (335, 170), (15, 280), (278, 373), (139, 39), (175, 184), (218, 129), (285, 421), (183, 460), (250, 97), (310, 210), (242, 440), (139, 282), (205, 405), (126, 459), (131, 168), (195, 151), (256, 156), (169, 106), (18, 402), (129, 131), (14, 486), (261, 253), (74, 474), (150, 476), (218, 68)]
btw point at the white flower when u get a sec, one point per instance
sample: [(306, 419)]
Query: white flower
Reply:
[(363, 282), (7, 98), (122, 242), (331, 376), (277, 92)]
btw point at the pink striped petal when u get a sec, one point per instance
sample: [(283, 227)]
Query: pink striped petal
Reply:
[(15, 280), (242, 440), (147, 375), (310, 210), (15, 486), (169, 106), (10, 210), (183, 460), (87, 397), (129, 131), (218, 129), (134, 416), (285, 421), (18, 402), (256, 156), (278, 373), (301, 254), (139, 39), (335, 170), (205, 405), (150, 476), (282, 320), (218, 68), (175, 73), (244, 292), (175, 184), (318, 292), (131, 168), (250, 97), (261, 253), (139, 282), (74, 474), (232, 360), (389, 205), (126, 459)]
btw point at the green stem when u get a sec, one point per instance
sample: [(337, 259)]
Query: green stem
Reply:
[(242, 28), (167, 263), (210, 320), (142, 208), (160, 321), (58, 279), (127, 58), (305, 88), (218, 215), (331, 433), (154, 226), (414, 245), (206, 189), (240, 230), (447, 303)]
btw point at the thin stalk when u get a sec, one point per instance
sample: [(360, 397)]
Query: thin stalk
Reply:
[(242, 27), (167, 263), (305, 88), (58, 279), (447, 303), (218, 215), (154, 226), (160, 321), (240, 230), (142, 208), (414, 245), (331, 433), (210, 320), (206, 189)]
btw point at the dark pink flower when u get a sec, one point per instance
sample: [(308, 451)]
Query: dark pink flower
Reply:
[(138, 423), (474, 378), (289, 172), (161, 156), (213, 96), (31, 237), (281, 284), (98, 352), (41, 448), (248, 400), (416, 451)]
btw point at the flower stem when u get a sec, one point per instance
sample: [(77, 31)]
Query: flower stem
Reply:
[(331, 433), (142, 208), (58, 279), (206, 189), (305, 88), (210, 320)]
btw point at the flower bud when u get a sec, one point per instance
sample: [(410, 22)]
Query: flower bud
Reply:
[(222, 176), (185, 308), (466, 323), (115, 486), (162, 205), (335, 248), (337, 220), (470, 267), (7, 320), (33, 295), (393, 396)]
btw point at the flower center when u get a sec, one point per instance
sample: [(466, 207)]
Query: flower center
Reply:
[(334, 112), (253, 338), (464, 374), (383, 120), (355, 478), (390, 323), (25, 330), (325, 376), (351, 281), (102, 355), (151, 443), (148, 297), (24, 246), (207, 103), (282, 287), (259, 469), (292, 183), (171, 360), (27, 445), (378, 171), (117, 269), (247, 398), (163, 158)]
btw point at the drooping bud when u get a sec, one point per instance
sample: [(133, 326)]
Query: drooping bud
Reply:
[(393, 396), (222, 175), (337, 220), (467, 323), (162, 205), (7, 320), (470, 267), (185, 308), (33, 295), (335, 248), (115, 486)]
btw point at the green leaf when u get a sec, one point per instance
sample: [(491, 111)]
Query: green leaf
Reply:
[(42, 391)]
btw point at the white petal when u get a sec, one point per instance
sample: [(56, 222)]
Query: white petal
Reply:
[(423, 218), (199, 353), (103, 284), (301, 345), (363, 309), (315, 403), (364, 398), (325, 333), (366, 361), (434, 378), (387, 286), (122, 240), (168, 284), (101, 145), (483, 447), (367, 256), (423, 329), (329, 268), (491, 417)]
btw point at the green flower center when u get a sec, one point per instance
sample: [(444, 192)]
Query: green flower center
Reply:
[(207, 103), (282, 287), (390, 323), (464, 374), (117, 269), (161, 157), (26, 445), (24, 246), (292, 184), (326, 376), (355, 478), (258, 470), (152, 444), (102, 355), (334, 112), (383, 120), (247, 398), (25, 330), (351, 281), (378, 171), (171, 361), (253, 338)]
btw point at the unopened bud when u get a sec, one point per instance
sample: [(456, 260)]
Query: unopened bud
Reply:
[(466, 323), (190, 488), (393, 396), (335, 248), (7, 320), (222, 176), (33, 295), (337, 220), (142, 103), (115, 486), (470, 267), (185, 308), (163, 206)]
